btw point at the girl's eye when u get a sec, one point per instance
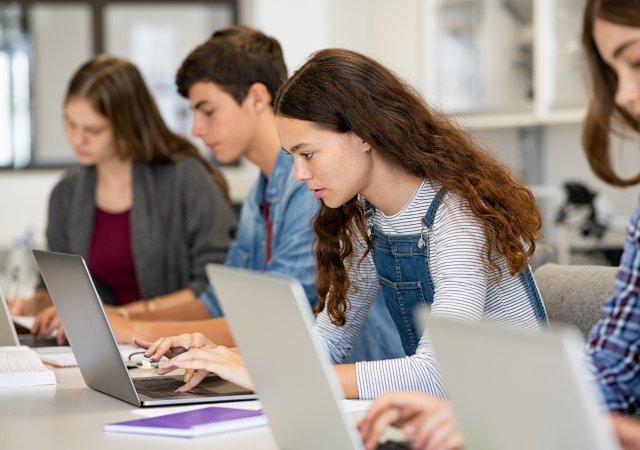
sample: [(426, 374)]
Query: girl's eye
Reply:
[(307, 156)]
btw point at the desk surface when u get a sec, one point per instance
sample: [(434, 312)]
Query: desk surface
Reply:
[(70, 416)]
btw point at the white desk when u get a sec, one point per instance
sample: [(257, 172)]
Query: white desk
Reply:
[(70, 416)]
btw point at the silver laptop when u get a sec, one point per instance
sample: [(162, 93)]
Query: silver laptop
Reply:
[(95, 348), (274, 328), (10, 337), (513, 390)]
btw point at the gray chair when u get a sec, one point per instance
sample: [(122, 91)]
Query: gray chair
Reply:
[(574, 294)]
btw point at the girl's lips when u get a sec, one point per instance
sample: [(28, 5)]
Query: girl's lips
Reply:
[(318, 192)]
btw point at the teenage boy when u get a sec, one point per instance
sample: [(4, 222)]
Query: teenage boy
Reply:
[(231, 81)]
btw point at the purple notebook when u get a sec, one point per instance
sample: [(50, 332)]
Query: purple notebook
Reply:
[(197, 422)]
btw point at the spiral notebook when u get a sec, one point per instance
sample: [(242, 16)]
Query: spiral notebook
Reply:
[(194, 423)]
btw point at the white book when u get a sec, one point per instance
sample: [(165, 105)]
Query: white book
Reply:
[(21, 366)]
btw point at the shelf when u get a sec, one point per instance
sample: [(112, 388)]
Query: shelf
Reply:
[(511, 120), (487, 57)]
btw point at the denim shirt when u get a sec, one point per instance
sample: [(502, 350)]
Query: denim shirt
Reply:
[(291, 210)]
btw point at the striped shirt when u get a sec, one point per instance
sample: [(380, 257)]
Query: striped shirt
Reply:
[(463, 289), (613, 346)]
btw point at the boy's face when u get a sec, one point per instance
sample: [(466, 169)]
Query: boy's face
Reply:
[(226, 127)]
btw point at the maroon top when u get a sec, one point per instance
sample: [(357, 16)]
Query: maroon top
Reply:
[(268, 232), (111, 256)]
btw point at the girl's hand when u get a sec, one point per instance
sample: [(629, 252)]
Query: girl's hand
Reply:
[(429, 421), (173, 345), (198, 356), (223, 361)]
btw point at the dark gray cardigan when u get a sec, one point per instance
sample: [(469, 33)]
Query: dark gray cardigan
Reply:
[(180, 221)]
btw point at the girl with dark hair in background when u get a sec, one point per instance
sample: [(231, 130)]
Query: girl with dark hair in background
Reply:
[(410, 205)]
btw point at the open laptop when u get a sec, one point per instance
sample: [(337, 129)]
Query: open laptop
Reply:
[(513, 390), (274, 328), (95, 348), (9, 335)]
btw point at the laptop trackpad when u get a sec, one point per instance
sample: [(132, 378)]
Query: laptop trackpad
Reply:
[(220, 386)]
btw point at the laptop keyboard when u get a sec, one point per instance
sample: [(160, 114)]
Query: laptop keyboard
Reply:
[(31, 340), (394, 445), (164, 387)]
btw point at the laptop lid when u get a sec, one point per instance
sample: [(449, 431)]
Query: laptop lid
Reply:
[(81, 312), (511, 390), (274, 328), (8, 335)]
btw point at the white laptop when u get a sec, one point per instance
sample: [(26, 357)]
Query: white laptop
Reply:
[(94, 346), (10, 337), (275, 330), (513, 390)]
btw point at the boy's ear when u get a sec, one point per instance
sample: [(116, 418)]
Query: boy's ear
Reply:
[(259, 96)]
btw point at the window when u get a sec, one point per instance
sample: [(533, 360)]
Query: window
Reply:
[(43, 42)]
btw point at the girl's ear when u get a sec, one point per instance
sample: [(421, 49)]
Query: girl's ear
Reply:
[(361, 143), (258, 96)]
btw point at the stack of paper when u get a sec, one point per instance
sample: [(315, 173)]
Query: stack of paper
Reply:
[(21, 366), (66, 359)]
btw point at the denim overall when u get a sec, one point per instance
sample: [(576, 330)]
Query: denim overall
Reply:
[(402, 263)]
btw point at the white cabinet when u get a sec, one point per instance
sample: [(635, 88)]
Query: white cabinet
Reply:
[(505, 63)]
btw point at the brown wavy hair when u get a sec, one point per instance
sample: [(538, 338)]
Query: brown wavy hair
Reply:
[(115, 88), (602, 113), (344, 91)]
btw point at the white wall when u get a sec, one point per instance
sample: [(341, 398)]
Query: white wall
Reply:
[(23, 199), (389, 31)]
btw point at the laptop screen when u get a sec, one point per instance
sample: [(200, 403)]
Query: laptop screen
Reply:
[(512, 389)]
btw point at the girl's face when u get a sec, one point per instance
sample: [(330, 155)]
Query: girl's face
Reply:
[(619, 47), (88, 132), (335, 166)]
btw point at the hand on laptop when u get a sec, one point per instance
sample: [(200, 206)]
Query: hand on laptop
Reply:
[(48, 323), (429, 421), (173, 345), (198, 356)]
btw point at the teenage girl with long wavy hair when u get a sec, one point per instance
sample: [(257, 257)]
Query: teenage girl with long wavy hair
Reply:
[(410, 205)]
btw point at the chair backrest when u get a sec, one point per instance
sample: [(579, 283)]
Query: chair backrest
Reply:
[(574, 294)]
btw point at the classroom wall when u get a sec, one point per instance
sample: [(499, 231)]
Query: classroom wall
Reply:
[(389, 31)]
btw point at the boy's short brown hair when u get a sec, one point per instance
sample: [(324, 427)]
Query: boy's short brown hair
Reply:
[(234, 58)]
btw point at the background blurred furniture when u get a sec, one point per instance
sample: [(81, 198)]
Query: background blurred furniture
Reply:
[(574, 294)]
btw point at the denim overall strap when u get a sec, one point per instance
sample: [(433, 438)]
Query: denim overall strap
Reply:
[(402, 263), (430, 216), (534, 296)]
